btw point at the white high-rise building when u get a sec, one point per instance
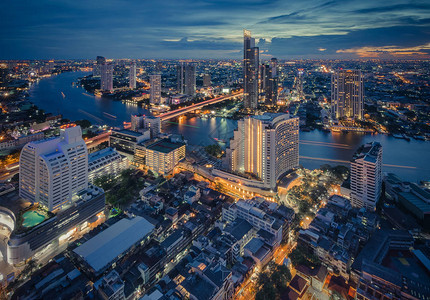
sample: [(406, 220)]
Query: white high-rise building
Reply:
[(132, 76), (366, 176), (266, 146), (155, 83), (347, 94), (106, 78), (51, 171)]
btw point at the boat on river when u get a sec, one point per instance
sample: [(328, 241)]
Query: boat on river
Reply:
[(109, 115)]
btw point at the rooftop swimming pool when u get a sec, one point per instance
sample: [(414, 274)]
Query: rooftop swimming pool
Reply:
[(32, 218)]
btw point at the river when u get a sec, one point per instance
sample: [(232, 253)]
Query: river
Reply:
[(410, 160)]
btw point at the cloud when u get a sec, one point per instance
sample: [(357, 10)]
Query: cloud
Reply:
[(394, 8), (206, 28), (422, 51)]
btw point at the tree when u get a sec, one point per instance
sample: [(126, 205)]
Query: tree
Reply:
[(281, 276), (83, 123), (214, 150), (268, 292)]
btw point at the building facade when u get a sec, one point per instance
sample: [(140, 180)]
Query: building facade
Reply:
[(163, 155), (25, 242), (155, 83), (126, 140), (106, 162), (347, 94), (52, 170), (132, 77), (206, 80), (100, 60), (186, 76), (250, 70), (366, 176), (142, 122), (266, 146), (106, 77), (270, 85)]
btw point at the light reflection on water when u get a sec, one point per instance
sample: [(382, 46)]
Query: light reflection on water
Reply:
[(201, 131)]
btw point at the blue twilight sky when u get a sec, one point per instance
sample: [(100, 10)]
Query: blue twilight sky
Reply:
[(44, 29)]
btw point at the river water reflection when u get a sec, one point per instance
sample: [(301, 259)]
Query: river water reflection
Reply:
[(410, 160)]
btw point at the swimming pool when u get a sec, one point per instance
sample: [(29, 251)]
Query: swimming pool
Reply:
[(32, 218)]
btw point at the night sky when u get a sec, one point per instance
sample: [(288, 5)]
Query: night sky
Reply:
[(289, 29)]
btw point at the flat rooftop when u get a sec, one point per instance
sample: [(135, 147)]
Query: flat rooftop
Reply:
[(419, 203), (106, 246), (102, 153), (128, 132), (164, 146)]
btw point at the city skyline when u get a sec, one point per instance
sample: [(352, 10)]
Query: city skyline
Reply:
[(209, 29), (234, 150)]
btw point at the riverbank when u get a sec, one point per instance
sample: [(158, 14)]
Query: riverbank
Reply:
[(409, 160)]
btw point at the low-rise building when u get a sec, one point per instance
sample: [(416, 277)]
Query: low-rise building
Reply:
[(106, 162), (112, 287), (261, 214), (101, 251), (163, 155), (125, 140)]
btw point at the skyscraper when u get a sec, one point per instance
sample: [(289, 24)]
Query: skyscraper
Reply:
[(206, 80), (132, 77), (266, 146), (347, 93), (155, 83), (52, 170), (106, 80), (366, 176), (250, 70), (274, 66), (139, 122), (186, 76), (270, 85), (98, 66)]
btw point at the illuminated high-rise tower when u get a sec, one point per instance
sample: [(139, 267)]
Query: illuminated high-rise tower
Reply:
[(366, 176), (250, 70), (270, 84), (274, 66), (51, 171), (106, 78), (347, 94), (265, 145), (155, 83), (132, 77), (98, 66), (186, 76)]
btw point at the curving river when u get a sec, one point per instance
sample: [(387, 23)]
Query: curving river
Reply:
[(409, 160)]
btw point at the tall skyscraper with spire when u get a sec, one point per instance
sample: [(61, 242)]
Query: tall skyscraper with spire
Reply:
[(250, 70)]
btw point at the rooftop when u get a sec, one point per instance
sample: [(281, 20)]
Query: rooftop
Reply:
[(368, 152), (164, 145), (101, 154), (106, 246), (128, 132)]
